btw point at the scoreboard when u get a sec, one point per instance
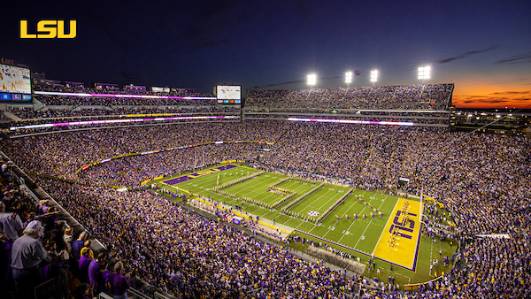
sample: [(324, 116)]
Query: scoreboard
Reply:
[(15, 84), (229, 94)]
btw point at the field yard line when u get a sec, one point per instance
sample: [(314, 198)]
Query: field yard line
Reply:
[(253, 193), (237, 194), (351, 224), (307, 208), (398, 273), (295, 191), (245, 190), (348, 210), (304, 221), (320, 209), (326, 202), (431, 252), (241, 173), (209, 178), (369, 224)]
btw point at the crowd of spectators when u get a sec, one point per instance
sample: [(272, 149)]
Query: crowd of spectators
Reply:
[(79, 87), (189, 255), (29, 115), (53, 100), (421, 97), (39, 256), (118, 101), (481, 178)]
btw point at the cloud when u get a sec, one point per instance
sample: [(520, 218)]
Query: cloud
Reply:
[(522, 58), (492, 101), (466, 54), (510, 92)]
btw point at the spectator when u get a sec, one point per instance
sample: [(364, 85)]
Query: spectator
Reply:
[(84, 262), (10, 223), (95, 275), (27, 255), (118, 282), (78, 244)]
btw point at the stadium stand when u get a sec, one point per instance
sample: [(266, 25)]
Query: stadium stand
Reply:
[(482, 178), (422, 105), (143, 244), (412, 97)]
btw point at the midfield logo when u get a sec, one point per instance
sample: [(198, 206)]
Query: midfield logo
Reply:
[(49, 29)]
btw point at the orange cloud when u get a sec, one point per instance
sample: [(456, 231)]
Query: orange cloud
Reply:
[(492, 96)]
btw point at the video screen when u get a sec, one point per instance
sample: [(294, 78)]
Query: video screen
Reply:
[(224, 92), (15, 84)]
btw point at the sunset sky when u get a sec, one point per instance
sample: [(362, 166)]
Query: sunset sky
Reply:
[(484, 47)]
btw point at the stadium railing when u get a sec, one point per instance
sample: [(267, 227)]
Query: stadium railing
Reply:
[(104, 296), (38, 193)]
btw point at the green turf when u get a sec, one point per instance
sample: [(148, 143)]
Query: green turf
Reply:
[(257, 188), (294, 199), (319, 201)]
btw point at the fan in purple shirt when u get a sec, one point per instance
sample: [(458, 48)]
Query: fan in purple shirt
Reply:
[(118, 281), (78, 244), (95, 276), (84, 262)]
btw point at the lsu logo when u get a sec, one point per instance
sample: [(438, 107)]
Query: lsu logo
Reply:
[(405, 227), (49, 29)]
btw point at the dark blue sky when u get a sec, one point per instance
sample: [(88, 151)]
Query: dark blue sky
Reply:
[(200, 43)]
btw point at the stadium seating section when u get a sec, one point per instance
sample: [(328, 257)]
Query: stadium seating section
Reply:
[(482, 178)]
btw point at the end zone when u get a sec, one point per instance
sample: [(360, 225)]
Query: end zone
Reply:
[(399, 241)]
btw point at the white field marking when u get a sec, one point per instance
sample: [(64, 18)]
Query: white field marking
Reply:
[(224, 175), (328, 227), (353, 221), (295, 190), (431, 252), (349, 208), (302, 212), (245, 180), (300, 220), (326, 202), (245, 190), (265, 197), (304, 221), (369, 224), (255, 194), (347, 231), (210, 178)]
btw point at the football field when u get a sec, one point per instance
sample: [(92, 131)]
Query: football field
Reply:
[(365, 224)]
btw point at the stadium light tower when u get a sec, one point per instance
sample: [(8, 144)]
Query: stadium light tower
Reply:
[(424, 72), (311, 79), (374, 74), (349, 77)]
